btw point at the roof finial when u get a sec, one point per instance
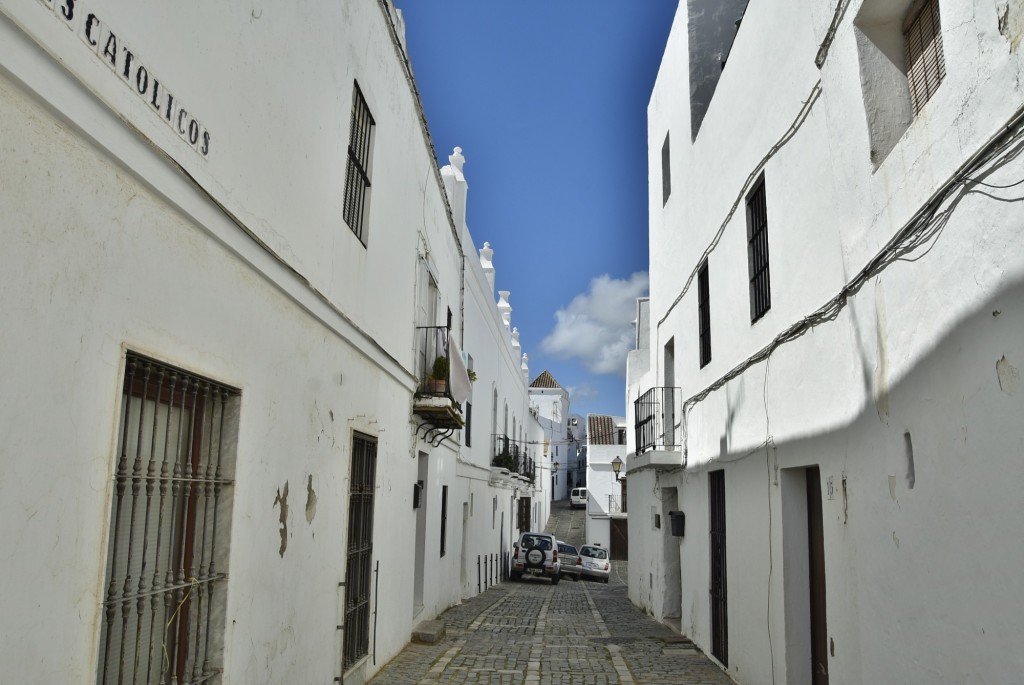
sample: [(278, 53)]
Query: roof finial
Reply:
[(456, 159)]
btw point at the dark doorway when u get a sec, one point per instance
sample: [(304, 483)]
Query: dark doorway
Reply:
[(816, 579), (360, 549), (619, 548), (523, 515), (719, 613)]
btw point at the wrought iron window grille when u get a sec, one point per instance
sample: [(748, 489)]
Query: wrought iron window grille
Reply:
[(170, 527), (357, 175), (356, 640), (757, 252)]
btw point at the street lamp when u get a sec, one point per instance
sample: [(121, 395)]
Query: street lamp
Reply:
[(616, 467)]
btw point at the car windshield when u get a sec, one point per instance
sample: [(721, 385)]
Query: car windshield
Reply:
[(594, 552), (567, 549), (537, 541)]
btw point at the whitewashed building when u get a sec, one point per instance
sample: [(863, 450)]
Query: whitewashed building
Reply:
[(607, 503), (550, 402), (576, 462), (230, 266), (826, 402)]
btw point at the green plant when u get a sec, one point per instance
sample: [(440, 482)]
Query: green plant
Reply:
[(439, 372), (472, 375), (505, 461)]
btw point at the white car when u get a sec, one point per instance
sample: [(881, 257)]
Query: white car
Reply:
[(596, 562), (536, 554), (578, 498)]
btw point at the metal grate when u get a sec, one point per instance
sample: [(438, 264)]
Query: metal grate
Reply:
[(926, 66), (360, 549), (357, 177), (719, 586), (704, 314), (757, 253), (169, 531), (657, 412)]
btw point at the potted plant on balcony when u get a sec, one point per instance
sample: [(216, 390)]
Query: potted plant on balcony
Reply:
[(437, 382), (505, 461)]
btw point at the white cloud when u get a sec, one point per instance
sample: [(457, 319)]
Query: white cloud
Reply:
[(597, 326), (579, 393)]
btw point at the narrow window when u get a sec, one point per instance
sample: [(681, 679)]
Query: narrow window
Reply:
[(360, 549), (357, 177), (666, 172), (469, 424), (444, 519), (757, 253), (167, 551), (922, 37), (704, 314)]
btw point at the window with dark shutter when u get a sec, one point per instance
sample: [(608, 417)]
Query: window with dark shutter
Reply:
[(926, 66), (444, 520), (704, 314), (666, 172), (757, 253)]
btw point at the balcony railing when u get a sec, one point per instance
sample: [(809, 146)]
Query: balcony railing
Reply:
[(441, 414), (658, 413), (513, 455), (433, 362)]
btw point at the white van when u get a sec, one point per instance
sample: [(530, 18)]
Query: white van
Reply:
[(578, 498)]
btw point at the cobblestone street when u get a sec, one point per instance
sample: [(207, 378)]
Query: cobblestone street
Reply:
[(534, 633)]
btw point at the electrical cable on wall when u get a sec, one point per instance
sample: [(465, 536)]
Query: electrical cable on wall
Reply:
[(801, 116), (923, 229)]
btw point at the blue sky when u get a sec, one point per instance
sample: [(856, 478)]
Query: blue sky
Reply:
[(548, 100)]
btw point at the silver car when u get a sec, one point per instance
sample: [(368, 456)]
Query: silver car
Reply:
[(596, 562), (569, 559)]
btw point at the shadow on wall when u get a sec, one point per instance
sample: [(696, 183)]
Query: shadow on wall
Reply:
[(938, 472)]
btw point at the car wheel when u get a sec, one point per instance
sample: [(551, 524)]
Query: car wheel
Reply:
[(514, 576), (605, 581), (575, 579), (555, 579)]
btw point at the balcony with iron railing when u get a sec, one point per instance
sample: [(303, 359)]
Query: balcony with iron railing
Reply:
[(513, 455), (658, 416), (434, 402)]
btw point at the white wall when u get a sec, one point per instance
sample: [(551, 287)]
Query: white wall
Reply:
[(552, 407), (922, 349), (604, 492), (232, 261)]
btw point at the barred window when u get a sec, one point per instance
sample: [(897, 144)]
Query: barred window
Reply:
[(357, 177), (169, 528), (704, 314), (926, 66), (360, 549), (757, 253)]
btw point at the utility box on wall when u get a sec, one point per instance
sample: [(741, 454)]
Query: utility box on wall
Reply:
[(678, 520)]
